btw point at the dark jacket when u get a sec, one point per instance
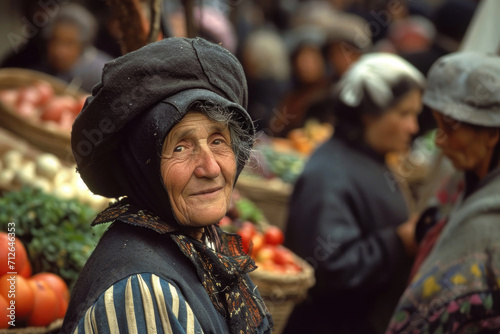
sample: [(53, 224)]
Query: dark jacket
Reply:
[(125, 250), (343, 217)]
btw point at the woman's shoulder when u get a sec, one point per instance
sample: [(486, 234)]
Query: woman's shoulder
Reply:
[(140, 303), (450, 297)]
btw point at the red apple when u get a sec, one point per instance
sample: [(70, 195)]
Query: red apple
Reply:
[(45, 91), (273, 235), (56, 107)]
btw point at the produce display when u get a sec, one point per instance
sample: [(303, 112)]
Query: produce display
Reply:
[(56, 231), (286, 166), (284, 158), (39, 102), (46, 172), (264, 242), (307, 138), (26, 299)]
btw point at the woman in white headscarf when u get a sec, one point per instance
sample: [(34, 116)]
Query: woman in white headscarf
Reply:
[(347, 215)]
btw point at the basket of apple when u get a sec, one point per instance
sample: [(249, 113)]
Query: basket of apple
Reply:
[(282, 277), (39, 108)]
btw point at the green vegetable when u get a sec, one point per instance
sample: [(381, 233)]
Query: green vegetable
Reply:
[(247, 210), (286, 166), (56, 232)]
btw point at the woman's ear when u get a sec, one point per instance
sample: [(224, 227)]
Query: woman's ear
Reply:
[(493, 137)]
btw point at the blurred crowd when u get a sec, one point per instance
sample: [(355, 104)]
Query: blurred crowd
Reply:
[(293, 52), (368, 67)]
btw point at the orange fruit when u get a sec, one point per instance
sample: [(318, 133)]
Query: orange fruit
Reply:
[(13, 255), (4, 313), (58, 285), (16, 287), (26, 272), (46, 305)]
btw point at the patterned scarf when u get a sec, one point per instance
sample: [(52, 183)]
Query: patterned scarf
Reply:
[(222, 270)]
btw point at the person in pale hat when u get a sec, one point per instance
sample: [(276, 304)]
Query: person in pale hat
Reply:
[(166, 132), (347, 216), (457, 269)]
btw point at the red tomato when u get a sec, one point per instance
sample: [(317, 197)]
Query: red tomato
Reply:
[(21, 292), (257, 243), (265, 254), (27, 271), (283, 256), (273, 236), (4, 313), (46, 305), (17, 255), (246, 237), (60, 288), (246, 225)]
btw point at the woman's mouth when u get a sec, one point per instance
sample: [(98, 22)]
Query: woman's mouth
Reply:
[(207, 192)]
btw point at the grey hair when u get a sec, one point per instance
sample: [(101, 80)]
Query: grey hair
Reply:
[(241, 140), (78, 16)]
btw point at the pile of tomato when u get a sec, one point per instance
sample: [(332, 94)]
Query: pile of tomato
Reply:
[(265, 245), (39, 102), (26, 299)]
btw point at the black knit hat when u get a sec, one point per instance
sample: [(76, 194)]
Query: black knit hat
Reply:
[(174, 72)]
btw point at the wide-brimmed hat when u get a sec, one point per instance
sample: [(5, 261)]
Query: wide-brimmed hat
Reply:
[(176, 71), (466, 87)]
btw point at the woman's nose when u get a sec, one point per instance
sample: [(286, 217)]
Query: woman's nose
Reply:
[(413, 125), (206, 164)]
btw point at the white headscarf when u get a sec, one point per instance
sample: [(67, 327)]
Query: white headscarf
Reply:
[(376, 74)]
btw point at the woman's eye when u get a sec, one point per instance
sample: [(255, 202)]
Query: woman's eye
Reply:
[(179, 149)]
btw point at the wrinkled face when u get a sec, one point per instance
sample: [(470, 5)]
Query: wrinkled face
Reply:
[(64, 47), (198, 167), (469, 148), (392, 131)]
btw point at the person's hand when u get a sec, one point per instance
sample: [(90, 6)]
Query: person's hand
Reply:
[(406, 233)]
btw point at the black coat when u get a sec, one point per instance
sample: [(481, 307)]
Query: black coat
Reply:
[(342, 219), (125, 250)]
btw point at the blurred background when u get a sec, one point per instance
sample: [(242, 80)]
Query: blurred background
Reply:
[(292, 51)]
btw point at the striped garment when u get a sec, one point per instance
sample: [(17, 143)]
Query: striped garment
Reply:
[(142, 303)]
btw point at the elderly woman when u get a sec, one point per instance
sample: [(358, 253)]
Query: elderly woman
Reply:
[(455, 289), (167, 132), (347, 216)]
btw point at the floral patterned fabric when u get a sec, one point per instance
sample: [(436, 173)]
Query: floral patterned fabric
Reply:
[(456, 288)]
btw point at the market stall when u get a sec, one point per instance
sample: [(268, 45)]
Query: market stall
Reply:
[(49, 209)]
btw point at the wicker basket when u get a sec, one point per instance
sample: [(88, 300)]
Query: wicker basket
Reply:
[(42, 135), (281, 292), (271, 196), (53, 328)]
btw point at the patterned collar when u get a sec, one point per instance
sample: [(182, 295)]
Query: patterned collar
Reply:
[(222, 270)]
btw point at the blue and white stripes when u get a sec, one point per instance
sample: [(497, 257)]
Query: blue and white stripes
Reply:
[(138, 304)]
